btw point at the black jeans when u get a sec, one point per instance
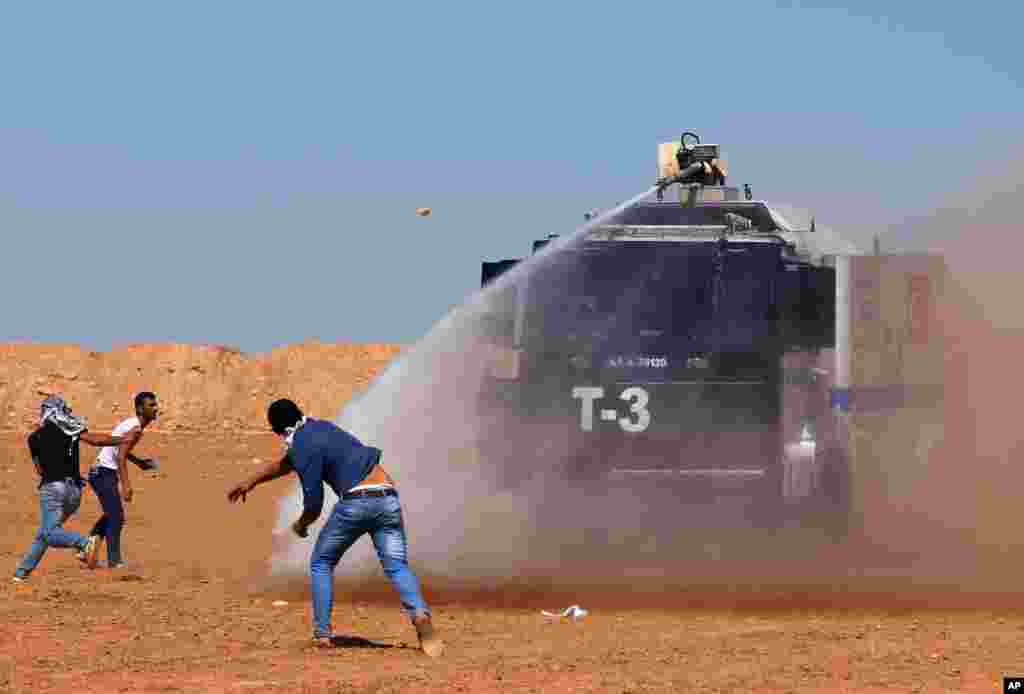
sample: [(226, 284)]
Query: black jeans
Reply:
[(104, 483)]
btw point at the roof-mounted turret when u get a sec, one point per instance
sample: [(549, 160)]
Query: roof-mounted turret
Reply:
[(690, 163)]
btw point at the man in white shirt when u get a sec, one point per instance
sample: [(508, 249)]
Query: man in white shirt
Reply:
[(109, 479)]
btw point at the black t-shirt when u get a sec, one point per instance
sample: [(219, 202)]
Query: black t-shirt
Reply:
[(56, 452)]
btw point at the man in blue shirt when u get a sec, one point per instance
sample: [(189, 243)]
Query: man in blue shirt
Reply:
[(322, 453)]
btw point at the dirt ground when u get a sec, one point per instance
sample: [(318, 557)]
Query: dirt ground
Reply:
[(194, 613)]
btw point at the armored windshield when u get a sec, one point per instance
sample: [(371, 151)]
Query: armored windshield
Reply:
[(617, 297)]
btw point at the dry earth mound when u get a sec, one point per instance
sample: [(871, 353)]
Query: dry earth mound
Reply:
[(201, 388)]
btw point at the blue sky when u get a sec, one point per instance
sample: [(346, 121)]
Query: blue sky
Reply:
[(247, 173)]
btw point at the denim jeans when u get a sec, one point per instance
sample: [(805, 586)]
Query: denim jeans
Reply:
[(104, 482), (381, 517), (58, 501)]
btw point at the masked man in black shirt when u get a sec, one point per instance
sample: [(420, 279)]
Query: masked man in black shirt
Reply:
[(54, 449)]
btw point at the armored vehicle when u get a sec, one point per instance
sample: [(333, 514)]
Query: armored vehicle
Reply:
[(679, 343)]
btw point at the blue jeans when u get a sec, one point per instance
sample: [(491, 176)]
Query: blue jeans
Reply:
[(104, 483), (381, 517), (58, 501)]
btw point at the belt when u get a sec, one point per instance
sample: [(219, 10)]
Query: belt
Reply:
[(369, 492)]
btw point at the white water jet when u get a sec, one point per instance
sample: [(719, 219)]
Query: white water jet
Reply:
[(421, 412)]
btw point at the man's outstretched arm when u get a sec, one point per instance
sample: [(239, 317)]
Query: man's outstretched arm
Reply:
[(269, 472), (100, 440)]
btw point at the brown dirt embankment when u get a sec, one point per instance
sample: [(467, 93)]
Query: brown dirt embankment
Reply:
[(201, 388)]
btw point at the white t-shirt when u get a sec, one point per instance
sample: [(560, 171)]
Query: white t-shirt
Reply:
[(107, 456)]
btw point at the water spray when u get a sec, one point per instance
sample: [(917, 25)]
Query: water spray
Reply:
[(414, 401)]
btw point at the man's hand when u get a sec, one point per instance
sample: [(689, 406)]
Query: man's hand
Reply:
[(126, 491), (270, 471), (300, 529), (147, 464), (239, 491)]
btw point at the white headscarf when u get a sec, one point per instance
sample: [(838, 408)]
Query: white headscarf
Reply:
[(55, 410)]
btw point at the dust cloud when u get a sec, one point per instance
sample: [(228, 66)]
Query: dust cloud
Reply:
[(971, 497)]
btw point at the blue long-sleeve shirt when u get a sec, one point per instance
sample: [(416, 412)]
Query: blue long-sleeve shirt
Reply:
[(323, 453)]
